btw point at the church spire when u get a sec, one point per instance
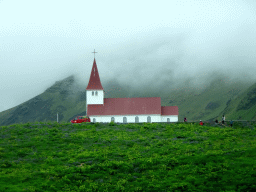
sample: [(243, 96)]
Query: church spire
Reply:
[(94, 82)]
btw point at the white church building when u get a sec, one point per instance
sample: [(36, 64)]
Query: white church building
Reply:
[(124, 110)]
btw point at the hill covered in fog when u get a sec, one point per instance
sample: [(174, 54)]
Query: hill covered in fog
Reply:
[(68, 99)]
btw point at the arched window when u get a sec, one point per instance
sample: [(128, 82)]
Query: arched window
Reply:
[(113, 119), (149, 119), (136, 119), (94, 120), (92, 93), (96, 93), (168, 119), (125, 119)]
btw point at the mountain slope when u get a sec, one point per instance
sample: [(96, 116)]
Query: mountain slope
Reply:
[(44, 107), (210, 103), (68, 99), (243, 106)]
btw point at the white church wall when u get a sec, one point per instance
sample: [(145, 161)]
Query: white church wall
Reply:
[(173, 118), (131, 118), (94, 99)]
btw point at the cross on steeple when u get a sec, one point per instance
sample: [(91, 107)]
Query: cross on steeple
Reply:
[(94, 53)]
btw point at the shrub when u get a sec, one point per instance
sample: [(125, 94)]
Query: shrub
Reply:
[(147, 125), (97, 124), (112, 123), (6, 164)]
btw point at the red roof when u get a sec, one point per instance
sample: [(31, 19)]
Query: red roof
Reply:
[(127, 106), (131, 106), (169, 110), (94, 82)]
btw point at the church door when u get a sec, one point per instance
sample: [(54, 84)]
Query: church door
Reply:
[(94, 120), (136, 119), (113, 119), (125, 119), (149, 119), (168, 119)]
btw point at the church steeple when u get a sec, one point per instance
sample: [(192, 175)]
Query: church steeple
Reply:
[(94, 82), (94, 90)]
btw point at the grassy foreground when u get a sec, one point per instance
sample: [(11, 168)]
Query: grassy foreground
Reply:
[(132, 157)]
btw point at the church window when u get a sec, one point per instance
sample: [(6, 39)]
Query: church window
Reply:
[(92, 93), (136, 119), (149, 119), (113, 119), (96, 93), (168, 119), (125, 119)]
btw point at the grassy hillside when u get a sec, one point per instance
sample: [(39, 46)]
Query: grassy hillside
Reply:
[(243, 105), (132, 157), (68, 99), (44, 107), (211, 103)]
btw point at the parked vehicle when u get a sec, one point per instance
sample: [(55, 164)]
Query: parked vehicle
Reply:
[(80, 119)]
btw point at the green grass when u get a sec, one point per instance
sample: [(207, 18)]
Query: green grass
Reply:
[(132, 157)]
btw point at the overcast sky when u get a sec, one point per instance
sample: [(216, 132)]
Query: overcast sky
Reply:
[(43, 41)]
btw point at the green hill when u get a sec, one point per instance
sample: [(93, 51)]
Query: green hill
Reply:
[(44, 107), (68, 99), (243, 106), (215, 100)]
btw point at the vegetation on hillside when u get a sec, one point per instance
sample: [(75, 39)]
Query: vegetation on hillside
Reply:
[(68, 99), (127, 157), (244, 105)]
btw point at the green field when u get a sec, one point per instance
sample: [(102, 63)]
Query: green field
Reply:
[(131, 157)]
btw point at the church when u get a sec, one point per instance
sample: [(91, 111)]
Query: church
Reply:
[(124, 110)]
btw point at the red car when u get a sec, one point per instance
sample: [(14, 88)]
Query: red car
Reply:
[(81, 119)]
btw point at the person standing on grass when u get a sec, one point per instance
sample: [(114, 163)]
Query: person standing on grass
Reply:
[(216, 122), (231, 123), (201, 123), (185, 119), (223, 119)]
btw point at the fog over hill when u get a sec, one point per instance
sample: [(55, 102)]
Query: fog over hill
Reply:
[(164, 45)]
